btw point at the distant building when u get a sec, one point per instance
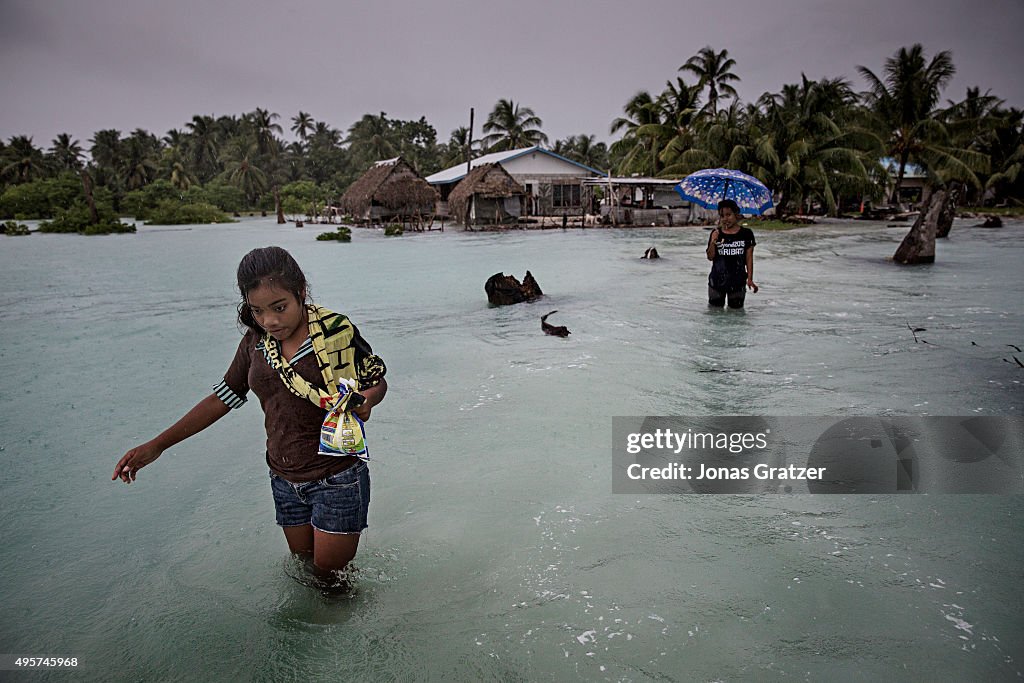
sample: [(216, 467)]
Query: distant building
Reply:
[(639, 200), (487, 196), (914, 178), (551, 182), (390, 190)]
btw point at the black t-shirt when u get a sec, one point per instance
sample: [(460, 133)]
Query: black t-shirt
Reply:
[(729, 269)]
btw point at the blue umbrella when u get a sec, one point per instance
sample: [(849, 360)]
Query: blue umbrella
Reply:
[(712, 185)]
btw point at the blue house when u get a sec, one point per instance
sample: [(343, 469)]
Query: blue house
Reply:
[(552, 182)]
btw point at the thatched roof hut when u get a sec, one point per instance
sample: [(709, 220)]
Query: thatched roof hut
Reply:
[(390, 188), (487, 194)]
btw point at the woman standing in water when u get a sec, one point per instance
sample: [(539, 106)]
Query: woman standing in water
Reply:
[(731, 251), (294, 355)]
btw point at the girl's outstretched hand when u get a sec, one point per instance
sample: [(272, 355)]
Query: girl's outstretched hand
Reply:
[(128, 466)]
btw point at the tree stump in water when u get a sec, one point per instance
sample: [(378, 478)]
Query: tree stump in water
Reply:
[(919, 244), (948, 213), (503, 290)]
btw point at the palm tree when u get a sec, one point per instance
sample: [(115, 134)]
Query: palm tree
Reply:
[(970, 118), (1006, 148), (585, 149), (371, 139), (264, 129), (903, 102), (714, 71), (240, 171), (230, 126), (324, 155), (66, 153), (180, 178), (302, 124), (455, 150), (805, 146), (638, 149), (23, 161), (202, 148), (973, 122), (174, 138), (681, 118), (725, 140), (174, 168), (510, 126), (266, 161), (325, 134), (107, 152), (141, 151)]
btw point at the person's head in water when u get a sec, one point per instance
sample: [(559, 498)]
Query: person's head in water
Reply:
[(729, 213), (273, 290)]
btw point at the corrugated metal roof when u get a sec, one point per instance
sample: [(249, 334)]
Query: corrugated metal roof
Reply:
[(455, 173)]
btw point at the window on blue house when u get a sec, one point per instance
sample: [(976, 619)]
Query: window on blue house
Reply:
[(565, 196)]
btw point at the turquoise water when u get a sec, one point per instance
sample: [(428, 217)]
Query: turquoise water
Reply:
[(496, 550)]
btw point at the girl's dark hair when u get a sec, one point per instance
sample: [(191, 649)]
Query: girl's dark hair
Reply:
[(729, 204), (263, 266)]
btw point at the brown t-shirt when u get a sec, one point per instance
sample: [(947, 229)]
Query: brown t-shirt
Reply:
[(292, 423)]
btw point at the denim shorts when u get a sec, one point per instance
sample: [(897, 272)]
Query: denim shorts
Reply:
[(336, 505)]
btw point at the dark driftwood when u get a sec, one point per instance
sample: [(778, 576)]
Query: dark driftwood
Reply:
[(919, 244), (504, 290), (553, 330)]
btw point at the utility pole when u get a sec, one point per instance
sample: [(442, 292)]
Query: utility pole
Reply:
[(469, 143)]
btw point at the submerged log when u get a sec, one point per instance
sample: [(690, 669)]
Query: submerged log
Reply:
[(504, 290), (919, 244), (553, 330)]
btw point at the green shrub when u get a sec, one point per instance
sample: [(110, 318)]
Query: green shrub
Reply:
[(225, 197), (141, 203), (41, 198), (172, 212), (393, 229), (13, 229), (342, 234), (77, 219)]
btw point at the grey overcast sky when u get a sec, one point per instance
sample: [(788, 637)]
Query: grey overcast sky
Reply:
[(79, 66)]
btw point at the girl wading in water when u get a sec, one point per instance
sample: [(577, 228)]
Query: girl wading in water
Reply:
[(731, 251), (297, 358)]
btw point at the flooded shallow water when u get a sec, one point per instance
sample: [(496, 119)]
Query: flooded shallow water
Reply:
[(496, 550)]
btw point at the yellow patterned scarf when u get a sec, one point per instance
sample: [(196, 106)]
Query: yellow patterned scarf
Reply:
[(332, 337)]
